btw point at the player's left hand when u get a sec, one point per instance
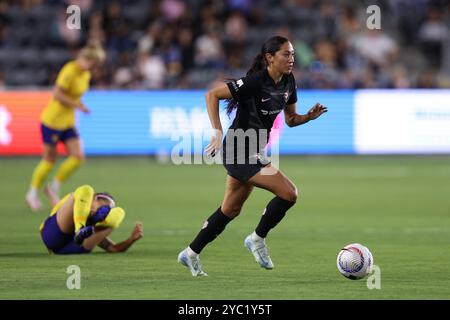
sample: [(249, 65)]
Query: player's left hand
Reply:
[(317, 111), (138, 231)]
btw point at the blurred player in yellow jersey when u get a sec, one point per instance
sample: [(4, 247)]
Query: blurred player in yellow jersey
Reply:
[(83, 220), (58, 124)]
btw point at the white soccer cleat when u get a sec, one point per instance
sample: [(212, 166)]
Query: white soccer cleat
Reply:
[(52, 193), (32, 200), (193, 263), (259, 251)]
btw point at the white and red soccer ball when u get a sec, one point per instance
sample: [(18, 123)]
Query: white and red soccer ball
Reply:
[(355, 261)]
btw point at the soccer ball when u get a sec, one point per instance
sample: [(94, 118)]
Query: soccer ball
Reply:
[(355, 261)]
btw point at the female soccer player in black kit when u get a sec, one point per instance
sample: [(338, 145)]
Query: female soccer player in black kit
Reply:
[(267, 89)]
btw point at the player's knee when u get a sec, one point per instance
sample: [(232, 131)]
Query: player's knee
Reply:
[(80, 157), (87, 188), (231, 211), (50, 158), (290, 194), (84, 190)]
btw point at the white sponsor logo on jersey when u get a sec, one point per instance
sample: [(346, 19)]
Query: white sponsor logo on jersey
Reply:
[(267, 112)]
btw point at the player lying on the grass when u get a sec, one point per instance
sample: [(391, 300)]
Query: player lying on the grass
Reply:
[(84, 219)]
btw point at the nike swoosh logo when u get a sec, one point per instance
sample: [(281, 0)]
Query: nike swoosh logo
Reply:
[(264, 100)]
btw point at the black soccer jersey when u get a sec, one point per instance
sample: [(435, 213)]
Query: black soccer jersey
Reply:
[(260, 101)]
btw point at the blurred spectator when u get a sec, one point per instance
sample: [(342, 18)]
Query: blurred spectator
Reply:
[(376, 46), (172, 10), (2, 82), (236, 28), (4, 21), (185, 41), (124, 76), (208, 50), (3, 35), (208, 20), (409, 15), (427, 80), (116, 29), (367, 79), (63, 35), (96, 32), (432, 35), (152, 70), (147, 42), (235, 37), (400, 78), (348, 23), (171, 53), (325, 52), (244, 6), (327, 17)]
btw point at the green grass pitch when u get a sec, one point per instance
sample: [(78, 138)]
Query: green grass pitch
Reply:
[(398, 206)]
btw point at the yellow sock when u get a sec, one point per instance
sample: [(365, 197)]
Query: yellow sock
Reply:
[(40, 173), (114, 218), (67, 168), (82, 205)]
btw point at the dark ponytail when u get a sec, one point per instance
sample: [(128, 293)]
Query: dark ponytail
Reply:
[(271, 46), (259, 63)]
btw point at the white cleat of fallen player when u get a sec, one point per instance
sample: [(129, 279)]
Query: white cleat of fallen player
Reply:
[(33, 201), (52, 192)]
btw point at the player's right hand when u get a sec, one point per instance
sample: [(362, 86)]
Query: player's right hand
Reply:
[(316, 111), (215, 145), (83, 108)]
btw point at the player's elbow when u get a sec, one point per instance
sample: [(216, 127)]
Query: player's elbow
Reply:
[(113, 249), (59, 95), (211, 94), (289, 122)]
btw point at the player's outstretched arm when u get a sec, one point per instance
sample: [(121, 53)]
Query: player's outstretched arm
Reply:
[(111, 247), (293, 119), (60, 95)]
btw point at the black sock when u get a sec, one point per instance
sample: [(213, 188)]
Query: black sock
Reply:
[(215, 224), (275, 211)]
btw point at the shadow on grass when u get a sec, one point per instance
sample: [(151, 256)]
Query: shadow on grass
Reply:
[(24, 255)]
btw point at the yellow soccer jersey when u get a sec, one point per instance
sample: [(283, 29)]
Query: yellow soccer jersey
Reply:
[(75, 82)]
